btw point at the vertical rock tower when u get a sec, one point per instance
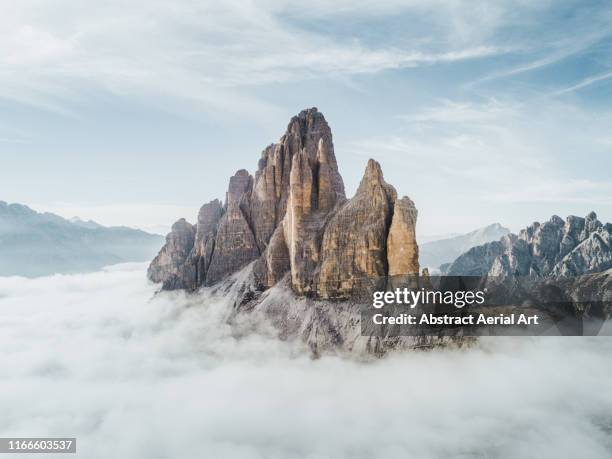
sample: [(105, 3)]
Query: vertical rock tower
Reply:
[(293, 219)]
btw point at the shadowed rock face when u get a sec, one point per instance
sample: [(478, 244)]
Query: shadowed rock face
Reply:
[(293, 218), (170, 266), (555, 248), (235, 244), (204, 243)]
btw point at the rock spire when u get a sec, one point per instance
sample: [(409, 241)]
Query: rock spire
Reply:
[(293, 219)]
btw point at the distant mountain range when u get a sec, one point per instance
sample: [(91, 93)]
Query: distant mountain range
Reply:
[(555, 248), (433, 254), (37, 244)]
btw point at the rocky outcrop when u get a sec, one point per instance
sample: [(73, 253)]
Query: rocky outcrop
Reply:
[(170, 266), (354, 249), (274, 262), (294, 220), (235, 244), (555, 248), (307, 133), (313, 194), (402, 249), (204, 243)]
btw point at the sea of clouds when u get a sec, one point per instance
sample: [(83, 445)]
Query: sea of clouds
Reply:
[(137, 375)]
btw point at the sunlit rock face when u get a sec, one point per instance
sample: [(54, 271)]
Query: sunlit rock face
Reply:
[(293, 219), (355, 240), (402, 249)]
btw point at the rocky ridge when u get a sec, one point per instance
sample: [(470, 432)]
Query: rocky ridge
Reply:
[(553, 249), (293, 220)]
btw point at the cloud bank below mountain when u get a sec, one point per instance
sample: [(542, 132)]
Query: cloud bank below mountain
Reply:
[(98, 357)]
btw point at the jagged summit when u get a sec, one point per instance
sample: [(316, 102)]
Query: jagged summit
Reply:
[(293, 218), (558, 247)]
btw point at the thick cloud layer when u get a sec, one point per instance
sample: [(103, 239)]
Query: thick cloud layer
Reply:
[(131, 375)]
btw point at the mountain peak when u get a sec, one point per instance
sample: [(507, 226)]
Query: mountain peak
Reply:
[(373, 169), (90, 224), (373, 178), (312, 111), (293, 218)]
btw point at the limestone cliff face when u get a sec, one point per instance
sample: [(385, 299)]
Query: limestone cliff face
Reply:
[(354, 249), (170, 266), (314, 191), (292, 218), (235, 244), (308, 134), (204, 242), (402, 250)]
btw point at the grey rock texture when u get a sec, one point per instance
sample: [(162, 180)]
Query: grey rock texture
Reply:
[(555, 248), (323, 325), (170, 266), (293, 220), (235, 244), (274, 262), (205, 238)]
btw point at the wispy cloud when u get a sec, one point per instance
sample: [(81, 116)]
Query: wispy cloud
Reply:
[(12, 140), (206, 54), (549, 59), (586, 82), (209, 55), (550, 49), (450, 111), (560, 190)]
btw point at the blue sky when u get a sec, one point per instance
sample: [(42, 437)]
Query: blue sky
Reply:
[(137, 112)]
